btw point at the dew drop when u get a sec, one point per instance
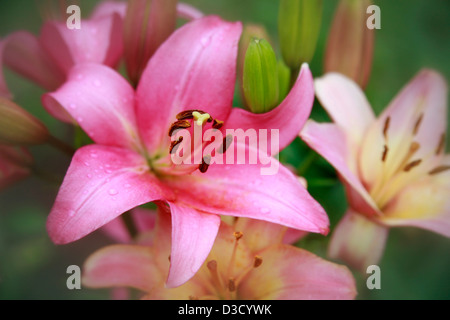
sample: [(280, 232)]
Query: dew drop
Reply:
[(72, 106), (94, 155), (113, 192), (87, 164), (205, 41), (80, 119), (72, 213), (89, 176)]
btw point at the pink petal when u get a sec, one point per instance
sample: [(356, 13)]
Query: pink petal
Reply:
[(193, 235), (424, 204), (242, 190), (418, 113), (346, 104), (331, 143), (289, 117), (14, 165), (358, 241), (292, 236), (117, 231), (101, 183), (290, 273), (96, 41), (122, 266), (25, 55), (259, 234), (193, 69), (108, 8), (101, 101), (188, 12)]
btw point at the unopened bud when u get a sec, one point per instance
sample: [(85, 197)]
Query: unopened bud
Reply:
[(148, 23), (350, 43), (18, 127), (260, 79), (298, 27)]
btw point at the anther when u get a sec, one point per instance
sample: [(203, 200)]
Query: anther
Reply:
[(174, 144), (441, 144), (411, 165), (184, 115), (386, 126), (225, 144), (180, 124), (257, 261), (238, 235), (231, 285), (217, 124), (205, 164), (417, 125), (385, 152), (439, 170)]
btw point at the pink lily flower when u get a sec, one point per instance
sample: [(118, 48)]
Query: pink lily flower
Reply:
[(47, 59), (394, 167), (248, 261), (15, 163), (130, 163)]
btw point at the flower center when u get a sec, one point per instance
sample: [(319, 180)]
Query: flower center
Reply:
[(191, 134), (400, 165), (224, 283)]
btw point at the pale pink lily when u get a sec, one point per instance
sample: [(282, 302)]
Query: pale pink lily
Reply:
[(130, 163), (394, 167), (46, 59), (15, 163), (248, 261)]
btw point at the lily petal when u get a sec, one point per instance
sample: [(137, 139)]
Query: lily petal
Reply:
[(225, 190), (424, 204), (101, 101), (346, 104), (101, 183), (122, 266), (193, 235), (188, 12), (259, 234), (297, 275), (24, 54), (174, 82), (94, 42), (417, 113), (289, 117), (358, 241), (331, 143)]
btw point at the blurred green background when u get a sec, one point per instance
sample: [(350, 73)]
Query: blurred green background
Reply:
[(416, 264)]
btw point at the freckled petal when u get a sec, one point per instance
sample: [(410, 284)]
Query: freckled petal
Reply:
[(289, 117), (290, 273), (96, 41), (425, 204), (331, 143), (24, 54), (358, 241), (425, 94), (346, 104), (101, 101), (122, 266), (247, 190), (193, 69), (100, 184), (193, 235)]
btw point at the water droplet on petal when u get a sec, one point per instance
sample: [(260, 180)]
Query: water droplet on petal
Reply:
[(72, 106), (113, 192), (89, 176), (80, 119), (71, 213), (87, 164), (205, 41)]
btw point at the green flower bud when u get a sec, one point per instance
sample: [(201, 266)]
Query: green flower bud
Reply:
[(298, 27), (284, 80), (18, 127), (260, 79)]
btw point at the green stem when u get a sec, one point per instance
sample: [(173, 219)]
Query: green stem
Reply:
[(304, 166)]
